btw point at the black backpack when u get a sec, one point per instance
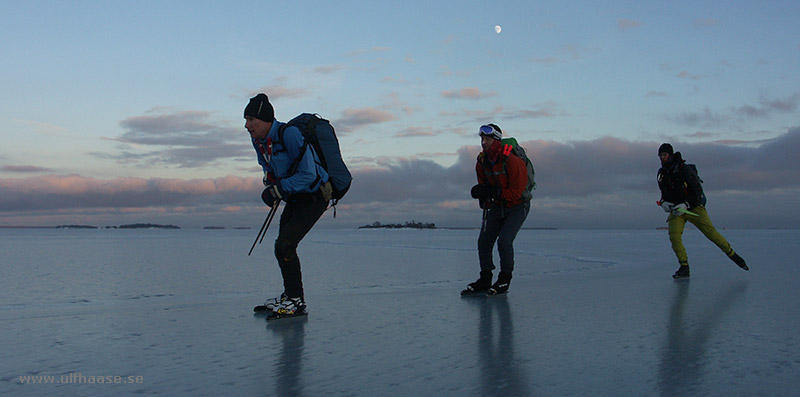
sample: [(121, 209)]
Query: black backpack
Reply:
[(320, 134), (693, 168)]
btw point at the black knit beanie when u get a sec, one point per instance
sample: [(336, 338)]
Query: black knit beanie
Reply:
[(260, 108), (665, 148)]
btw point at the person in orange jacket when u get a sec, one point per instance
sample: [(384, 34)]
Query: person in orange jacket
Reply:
[(502, 178)]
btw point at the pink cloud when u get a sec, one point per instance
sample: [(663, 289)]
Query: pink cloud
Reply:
[(466, 93), (354, 118)]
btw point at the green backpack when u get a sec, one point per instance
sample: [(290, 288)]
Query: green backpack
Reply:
[(510, 145)]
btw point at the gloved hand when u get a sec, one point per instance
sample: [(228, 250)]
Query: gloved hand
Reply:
[(479, 191), (265, 179), (679, 206), (667, 206), (272, 194), (485, 192)]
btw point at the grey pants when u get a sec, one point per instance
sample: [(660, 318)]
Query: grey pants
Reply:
[(501, 225)]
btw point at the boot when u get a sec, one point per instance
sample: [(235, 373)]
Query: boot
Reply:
[(501, 286), (479, 286), (270, 304), (291, 307), (739, 261), (683, 272)]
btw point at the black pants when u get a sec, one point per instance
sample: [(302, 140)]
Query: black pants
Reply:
[(501, 225), (297, 219)]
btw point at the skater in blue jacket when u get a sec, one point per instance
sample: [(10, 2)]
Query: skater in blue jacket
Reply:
[(292, 174)]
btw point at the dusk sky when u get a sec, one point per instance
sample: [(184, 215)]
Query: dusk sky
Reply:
[(118, 112)]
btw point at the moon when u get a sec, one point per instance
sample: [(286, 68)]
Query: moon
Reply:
[(498, 29)]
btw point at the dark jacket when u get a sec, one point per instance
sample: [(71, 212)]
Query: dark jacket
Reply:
[(679, 183)]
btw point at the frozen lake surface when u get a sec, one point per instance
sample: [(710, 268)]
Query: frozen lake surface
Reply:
[(169, 312)]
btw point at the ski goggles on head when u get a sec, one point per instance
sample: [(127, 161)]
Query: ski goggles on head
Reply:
[(490, 131)]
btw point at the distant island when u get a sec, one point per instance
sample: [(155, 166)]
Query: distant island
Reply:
[(407, 225), (76, 227), (147, 226), (130, 226), (214, 228)]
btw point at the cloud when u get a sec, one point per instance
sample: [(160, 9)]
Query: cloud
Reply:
[(703, 134), (768, 106), (704, 118), (690, 76), (467, 93), (608, 165), (183, 138), (60, 192), (606, 183), (627, 24), (545, 110), (585, 183), (415, 132), (765, 107), (149, 128), (352, 119), (24, 169), (327, 69)]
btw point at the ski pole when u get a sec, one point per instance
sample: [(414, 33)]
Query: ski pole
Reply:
[(272, 215), (260, 231), (263, 228)]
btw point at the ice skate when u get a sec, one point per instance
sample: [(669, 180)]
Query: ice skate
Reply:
[(683, 272), (480, 286), (270, 304), (290, 307), (739, 261), (501, 285)]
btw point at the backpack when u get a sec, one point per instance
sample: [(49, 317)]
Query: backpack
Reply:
[(693, 168), (511, 146), (320, 134)]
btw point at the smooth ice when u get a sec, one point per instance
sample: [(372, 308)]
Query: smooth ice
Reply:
[(588, 313)]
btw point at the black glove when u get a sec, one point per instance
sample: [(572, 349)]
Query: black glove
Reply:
[(479, 191), (272, 194), (485, 192)]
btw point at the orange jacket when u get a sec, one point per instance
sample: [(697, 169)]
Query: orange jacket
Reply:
[(508, 172)]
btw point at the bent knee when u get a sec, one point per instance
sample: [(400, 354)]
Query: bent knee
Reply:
[(284, 249)]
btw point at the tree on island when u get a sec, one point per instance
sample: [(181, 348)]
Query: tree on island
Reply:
[(147, 226), (76, 227), (409, 225)]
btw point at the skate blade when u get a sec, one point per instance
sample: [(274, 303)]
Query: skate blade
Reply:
[(274, 316)]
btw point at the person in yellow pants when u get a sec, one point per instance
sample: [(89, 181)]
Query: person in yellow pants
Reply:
[(682, 196)]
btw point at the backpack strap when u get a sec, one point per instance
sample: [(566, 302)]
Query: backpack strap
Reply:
[(296, 161)]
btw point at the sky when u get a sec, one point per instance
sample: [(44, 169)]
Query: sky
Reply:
[(125, 112)]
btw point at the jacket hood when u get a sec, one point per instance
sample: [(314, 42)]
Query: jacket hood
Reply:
[(675, 160)]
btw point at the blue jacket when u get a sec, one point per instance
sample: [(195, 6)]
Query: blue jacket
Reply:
[(277, 161)]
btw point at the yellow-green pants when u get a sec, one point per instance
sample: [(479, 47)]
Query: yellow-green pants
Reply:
[(703, 223)]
